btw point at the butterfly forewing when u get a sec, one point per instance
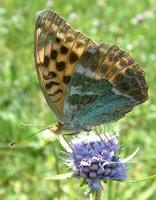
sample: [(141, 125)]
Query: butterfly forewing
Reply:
[(58, 47)]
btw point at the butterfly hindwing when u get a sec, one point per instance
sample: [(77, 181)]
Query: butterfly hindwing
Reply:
[(112, 85)]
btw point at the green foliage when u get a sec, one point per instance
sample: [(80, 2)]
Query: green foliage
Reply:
[(129, 24)]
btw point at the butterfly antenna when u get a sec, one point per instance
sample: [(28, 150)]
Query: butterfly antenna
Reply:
[(28, 124), (27, 137)]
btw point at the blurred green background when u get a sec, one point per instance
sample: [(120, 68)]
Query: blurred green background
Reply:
[(129, 24)]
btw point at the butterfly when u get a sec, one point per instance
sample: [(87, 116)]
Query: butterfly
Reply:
[(85, 84)]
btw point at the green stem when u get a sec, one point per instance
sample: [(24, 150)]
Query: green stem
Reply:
[(110, 190), (57, 172), (97, 194)]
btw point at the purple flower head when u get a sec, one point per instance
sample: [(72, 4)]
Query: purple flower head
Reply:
[(95, 158)]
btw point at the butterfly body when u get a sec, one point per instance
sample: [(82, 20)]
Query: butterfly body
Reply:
[(84, 83)]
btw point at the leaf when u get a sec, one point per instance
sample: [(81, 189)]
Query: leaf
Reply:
[(148, 193), (131, 156), (149, 178), (84, 182), (60, 176)]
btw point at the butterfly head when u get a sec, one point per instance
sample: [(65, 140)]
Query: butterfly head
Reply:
[(57, 128), (64, 128)]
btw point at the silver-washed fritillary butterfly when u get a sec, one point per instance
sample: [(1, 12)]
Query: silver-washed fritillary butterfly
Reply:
[(84, 83)]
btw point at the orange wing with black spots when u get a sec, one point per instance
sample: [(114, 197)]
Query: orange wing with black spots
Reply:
[(58, 47)]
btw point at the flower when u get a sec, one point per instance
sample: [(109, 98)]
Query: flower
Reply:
[(95, 158), (73, 16), (96, 23)]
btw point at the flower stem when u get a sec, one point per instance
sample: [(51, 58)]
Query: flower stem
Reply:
[(97, 194), (57, 171), (110, 196)]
